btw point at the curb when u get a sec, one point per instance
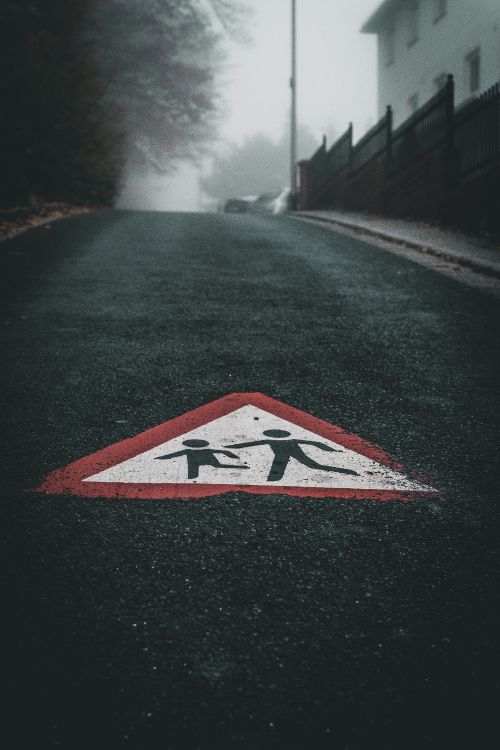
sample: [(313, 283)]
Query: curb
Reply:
[(398, 240)]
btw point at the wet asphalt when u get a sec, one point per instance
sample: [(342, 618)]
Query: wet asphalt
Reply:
[(245, 621)]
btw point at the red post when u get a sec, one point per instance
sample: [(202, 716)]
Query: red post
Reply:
[(303, 202)]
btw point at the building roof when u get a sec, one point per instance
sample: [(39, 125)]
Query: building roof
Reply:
[(379, 16)]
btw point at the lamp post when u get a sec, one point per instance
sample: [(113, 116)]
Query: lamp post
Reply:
[(293, 112)]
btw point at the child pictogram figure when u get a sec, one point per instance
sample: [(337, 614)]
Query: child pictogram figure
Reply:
[(284, 450), (198, 455)]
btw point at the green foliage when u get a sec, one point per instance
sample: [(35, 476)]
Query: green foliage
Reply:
[(58, 142)]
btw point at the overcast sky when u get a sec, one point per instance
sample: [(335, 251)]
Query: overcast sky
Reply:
[(336, 83), (336, 68)]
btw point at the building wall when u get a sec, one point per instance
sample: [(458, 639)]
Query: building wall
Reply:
[(441, 48)]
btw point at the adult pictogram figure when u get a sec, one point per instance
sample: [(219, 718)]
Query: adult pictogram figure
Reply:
[(284, 450), (198, 455)]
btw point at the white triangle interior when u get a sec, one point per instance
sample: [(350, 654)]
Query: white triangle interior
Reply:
[(247, 424)]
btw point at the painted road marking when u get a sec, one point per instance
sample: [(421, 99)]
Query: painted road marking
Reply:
[(244, 441)]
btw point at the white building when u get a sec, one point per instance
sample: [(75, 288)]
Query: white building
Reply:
[(421, 41)]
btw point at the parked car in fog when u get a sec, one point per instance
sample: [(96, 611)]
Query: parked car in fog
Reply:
[(265, 202), (238, 205)]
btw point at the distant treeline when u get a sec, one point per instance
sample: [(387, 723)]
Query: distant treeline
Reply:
[(256, 166)]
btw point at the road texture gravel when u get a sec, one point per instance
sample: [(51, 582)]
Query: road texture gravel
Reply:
[(245, 621)]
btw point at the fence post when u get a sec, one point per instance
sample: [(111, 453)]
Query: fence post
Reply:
[(389, 121), (450, 157), (496, 119), (349, 165), (388, 131)]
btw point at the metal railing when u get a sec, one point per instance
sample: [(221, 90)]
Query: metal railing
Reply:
[(338, 157), (466, 141), (374, 143), (477, 134), (324, 166), (429, 127)]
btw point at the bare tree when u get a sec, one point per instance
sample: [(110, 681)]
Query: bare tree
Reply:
[(160, 59)]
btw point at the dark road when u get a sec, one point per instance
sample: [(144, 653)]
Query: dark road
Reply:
[(241, 620)]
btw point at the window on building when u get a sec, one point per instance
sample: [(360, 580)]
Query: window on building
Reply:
[(440, 81), (413, 22), (473, 72), (390, 47), (413, 104), (439, 10)]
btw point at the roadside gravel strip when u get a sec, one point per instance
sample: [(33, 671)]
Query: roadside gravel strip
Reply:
[(472, 261), (21, 219)]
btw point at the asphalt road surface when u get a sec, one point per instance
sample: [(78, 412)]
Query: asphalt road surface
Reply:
[(245, 621)]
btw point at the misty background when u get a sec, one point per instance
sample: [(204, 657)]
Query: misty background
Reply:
[(172, 104), (336, 84)]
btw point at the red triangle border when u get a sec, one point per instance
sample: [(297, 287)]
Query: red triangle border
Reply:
[(69, 480)]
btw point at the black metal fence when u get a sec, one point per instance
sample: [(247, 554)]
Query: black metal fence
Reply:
[(317, 173), (466, 142), (427, 128), (477, 134), (324, 166), (374, 143), (338, 157)]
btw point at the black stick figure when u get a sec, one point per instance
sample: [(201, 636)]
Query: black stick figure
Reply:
[(284, 450), (202, 456)]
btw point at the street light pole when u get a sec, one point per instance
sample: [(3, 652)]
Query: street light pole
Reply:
[(293, 111)]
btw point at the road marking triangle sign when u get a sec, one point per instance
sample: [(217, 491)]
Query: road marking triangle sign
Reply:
[(243, 442)]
